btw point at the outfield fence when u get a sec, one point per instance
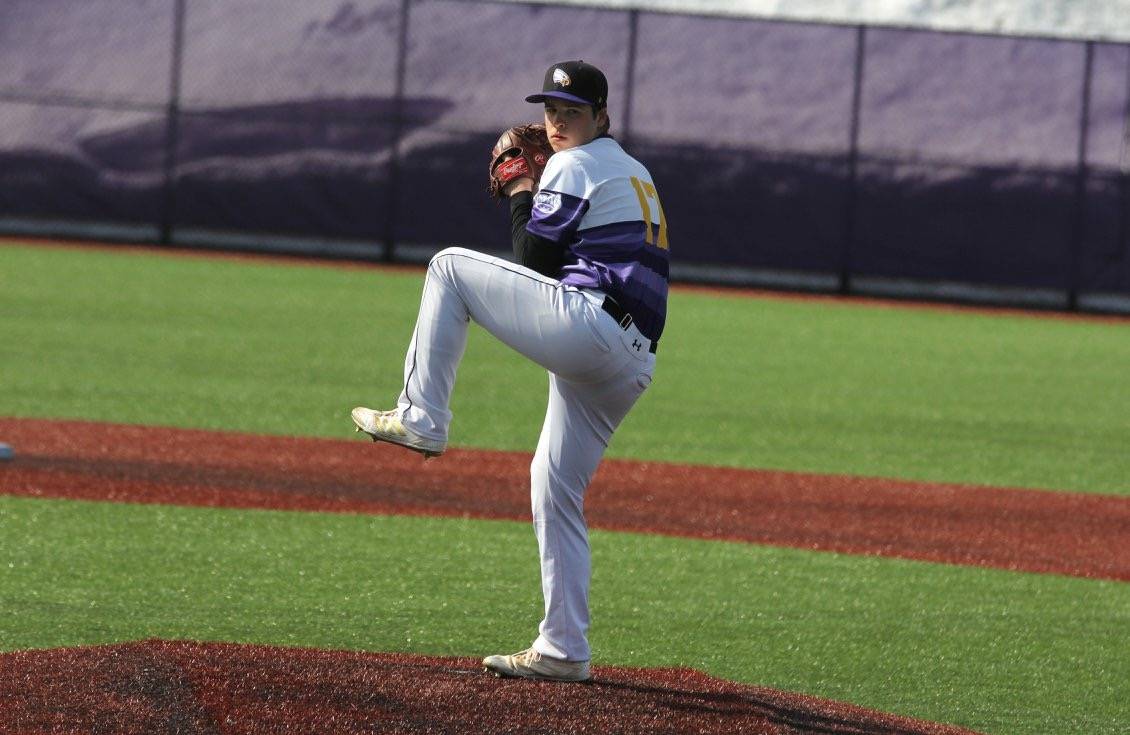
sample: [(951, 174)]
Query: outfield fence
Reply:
[(857, 159)]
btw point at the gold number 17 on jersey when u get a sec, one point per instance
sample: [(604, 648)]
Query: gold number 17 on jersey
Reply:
[(645, 190)]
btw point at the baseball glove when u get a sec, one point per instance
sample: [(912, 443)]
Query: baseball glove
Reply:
[(521, 151)]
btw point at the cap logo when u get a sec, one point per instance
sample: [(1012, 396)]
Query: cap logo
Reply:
[(561, 78)]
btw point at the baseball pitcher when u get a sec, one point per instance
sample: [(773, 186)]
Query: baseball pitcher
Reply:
[(587, 301)]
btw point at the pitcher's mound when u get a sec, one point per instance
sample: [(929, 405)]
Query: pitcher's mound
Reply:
[(157, 687)]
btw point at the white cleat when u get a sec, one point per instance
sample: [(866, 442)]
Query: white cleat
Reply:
[(530, 664), (385, 426)]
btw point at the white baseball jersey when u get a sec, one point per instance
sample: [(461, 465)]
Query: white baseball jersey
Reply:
[(601, 204)]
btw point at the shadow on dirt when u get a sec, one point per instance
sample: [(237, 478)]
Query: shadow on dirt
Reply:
[(189, 687)]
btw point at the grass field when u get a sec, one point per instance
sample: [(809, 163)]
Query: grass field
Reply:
[(748, 382), (918, 394)]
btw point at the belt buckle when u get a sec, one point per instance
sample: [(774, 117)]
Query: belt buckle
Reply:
[(626, 321)]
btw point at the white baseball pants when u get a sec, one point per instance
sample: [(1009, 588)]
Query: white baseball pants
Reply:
[(594, 379)]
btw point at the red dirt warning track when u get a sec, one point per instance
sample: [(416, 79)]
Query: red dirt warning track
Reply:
[(1026, 530), (161, 687)]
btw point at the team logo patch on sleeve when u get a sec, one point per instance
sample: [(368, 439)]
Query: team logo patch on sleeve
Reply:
[(547, 201)]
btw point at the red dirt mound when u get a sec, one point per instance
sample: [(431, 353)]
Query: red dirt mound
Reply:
[(1028, 530), (159, 687)]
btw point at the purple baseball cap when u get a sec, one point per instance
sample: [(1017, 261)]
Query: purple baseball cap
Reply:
[(574, 81)]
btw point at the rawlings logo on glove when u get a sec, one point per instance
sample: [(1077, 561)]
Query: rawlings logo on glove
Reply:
[(521, 151)]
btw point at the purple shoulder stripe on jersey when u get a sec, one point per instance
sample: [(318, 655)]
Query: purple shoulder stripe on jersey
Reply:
[(615, 233), (637, 252), (556, 216), (620, 242)]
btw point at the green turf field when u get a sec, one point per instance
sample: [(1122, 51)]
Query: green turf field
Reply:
[(1004, 651), (746, 382), (917, 394)]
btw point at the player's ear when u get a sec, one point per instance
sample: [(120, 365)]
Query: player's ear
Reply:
[(603, 122)]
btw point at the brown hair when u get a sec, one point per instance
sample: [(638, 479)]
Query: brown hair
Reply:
[(603, 129)]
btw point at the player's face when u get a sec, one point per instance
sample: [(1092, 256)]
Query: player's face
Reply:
[(570, 125)]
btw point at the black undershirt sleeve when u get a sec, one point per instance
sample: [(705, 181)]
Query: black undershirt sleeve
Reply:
[(530, 250)]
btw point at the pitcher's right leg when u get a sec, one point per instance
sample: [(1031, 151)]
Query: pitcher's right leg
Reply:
[(579, 423)]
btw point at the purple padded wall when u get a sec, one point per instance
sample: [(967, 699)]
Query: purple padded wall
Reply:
[(103, 50), (310, 119), (1106, 224), (968, 151), (287, 116), (72, 77), (747, 138)]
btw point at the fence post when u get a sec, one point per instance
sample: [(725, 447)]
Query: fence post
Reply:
[(630, 74), (1122, 243), (1078, 219), (853, 163), (397, 130), (172, 125)]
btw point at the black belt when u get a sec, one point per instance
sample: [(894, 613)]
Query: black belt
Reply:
[(623, 318)]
